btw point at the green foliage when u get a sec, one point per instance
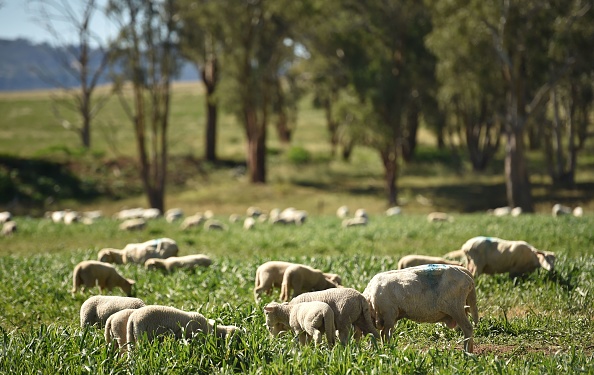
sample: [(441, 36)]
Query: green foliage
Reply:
[(539, 324), (298, 155)]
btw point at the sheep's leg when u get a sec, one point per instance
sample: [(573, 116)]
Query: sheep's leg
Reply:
[(464, 324), (302, 338), (472, 267), (343, 333)]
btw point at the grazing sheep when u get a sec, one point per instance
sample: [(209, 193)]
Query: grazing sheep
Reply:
[(193, 221), (156, 320), (234, 218), (516, 211), (349, 307), (97, 309), (172, 263), (342, 212), (493, 255), (270, 275), (500, 211), (291, 216), (418, 260), (354, 222), (301, 279), (393, 211), (308, 320), (249, 223), (9, 228), (439, 216), (361, 213), (130, 213), (157, 248), (578, 211), (109, 255), (133, 224), (71, 217), (560, 210), (253, 212), (151, 213), (90, 273), (173, 214), (5, 216), (431, 293), (116, 328), (212, 224), (56, 216)]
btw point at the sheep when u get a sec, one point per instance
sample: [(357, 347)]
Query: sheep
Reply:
[(131, 213), (89, 217), (9, 228), (109, 255), (560, 210), (133, 224), (578, 211), (249, 223), (212, 224), (417, 260), (151, 213), (439, 216), (361, 213), (431, 293), (234, 218), (253, 211), (292, 216), (516, 211), (342, 212), (354, 222), (208, 214), (56, 216), (157, 248), (308, 320), (89, 273), (349, 307), (301, 278), (173, 214), (156, 320), (193, 221), (5, 216), (71, 217), (456, 255), (500, 211), (393, 211), (270, 275), (172, 263), (97, 309), (116, 328), (491, 255)]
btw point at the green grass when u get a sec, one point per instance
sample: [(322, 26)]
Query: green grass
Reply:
[(541, 324)]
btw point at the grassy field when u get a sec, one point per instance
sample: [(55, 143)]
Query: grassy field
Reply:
[(541, 324)]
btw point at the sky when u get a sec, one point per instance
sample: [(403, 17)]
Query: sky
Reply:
[(17, 21)]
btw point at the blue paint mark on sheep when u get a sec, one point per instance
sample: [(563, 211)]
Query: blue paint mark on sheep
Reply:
[(432, 274), (483, 238)]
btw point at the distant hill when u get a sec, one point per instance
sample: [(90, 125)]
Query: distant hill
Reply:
[(22, 63)]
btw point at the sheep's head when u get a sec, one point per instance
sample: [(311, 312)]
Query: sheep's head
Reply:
[(277, 319), (153, 264), (546, 259), (334, 278), (106, 256)]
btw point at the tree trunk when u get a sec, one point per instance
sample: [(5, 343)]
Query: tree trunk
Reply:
[(256, 142), (516, 173), (210, 76), (390, 160)]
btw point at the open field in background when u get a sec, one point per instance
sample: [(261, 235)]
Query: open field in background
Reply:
[(28, 129), (542, 324)]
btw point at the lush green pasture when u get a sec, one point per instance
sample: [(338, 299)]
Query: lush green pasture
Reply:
[(542, 324)]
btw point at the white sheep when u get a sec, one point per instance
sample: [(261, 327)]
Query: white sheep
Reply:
[(172, 263), (439, 216), (90, 273), (157, 248), (342, 212), (393, 211), (9, 228), (350, 309), (116, 328), (212, 224), (301, 278), (491, 255), (71, 217), (361, 213), (110, 255), (5, 216), (418, 260), (516, 211), (308, 320), (561, 210), (97, 309), (291, 215), (173, 214), (253, 211), (130, 213), (249, 223), (578, 211), (434, 293), (151, 213), (193, 221), (500, 211), (156, 320), (133, 224), (354, 222), (234, 218), (270, 275)]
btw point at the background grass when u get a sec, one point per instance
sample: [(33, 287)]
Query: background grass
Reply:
[(541, 324)]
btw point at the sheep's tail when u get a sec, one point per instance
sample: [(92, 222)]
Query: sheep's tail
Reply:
[(108, 336), (471, 301), (76, 280), (130, 332), (284, 296)]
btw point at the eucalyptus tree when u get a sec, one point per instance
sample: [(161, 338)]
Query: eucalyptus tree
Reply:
[(147, 49)]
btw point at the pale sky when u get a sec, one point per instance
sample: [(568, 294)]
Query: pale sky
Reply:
[(17, 21)]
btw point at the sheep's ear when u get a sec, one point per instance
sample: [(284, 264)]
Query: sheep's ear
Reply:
[(268, 308), (544, 263)]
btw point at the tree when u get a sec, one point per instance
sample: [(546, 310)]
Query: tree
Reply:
[(83, 62), (147, 49)]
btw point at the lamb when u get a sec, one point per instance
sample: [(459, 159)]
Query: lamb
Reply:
[(172, 263), (156, 320), (133, 224), (97, 309), (116, 328), (491, 255), (9, 228), (157, 248), (431, 293), (301, 278), (417, 260), (89, 273), (270, 275), (349, 307), (308, 320)]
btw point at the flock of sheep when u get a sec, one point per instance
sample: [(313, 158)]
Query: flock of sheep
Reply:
[(313, 303)]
